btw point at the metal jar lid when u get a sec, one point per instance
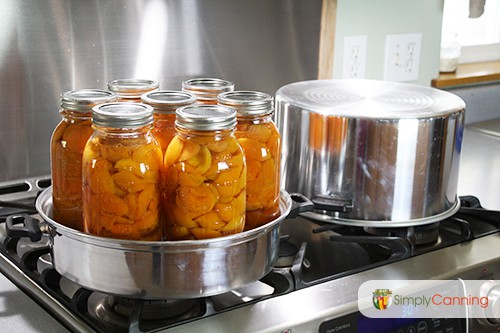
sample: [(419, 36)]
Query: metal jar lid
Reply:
[(83, 100), (130, 88), (369, 99), (207, 88), (205, 117), (167, 101), (122, 115), (248, 103)]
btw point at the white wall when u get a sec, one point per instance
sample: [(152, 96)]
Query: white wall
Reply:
[(379, 18)]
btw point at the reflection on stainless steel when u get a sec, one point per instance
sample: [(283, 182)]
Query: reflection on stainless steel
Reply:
[(391, 151), (159, 270), (479, 168), (491, 127), (50, 47)]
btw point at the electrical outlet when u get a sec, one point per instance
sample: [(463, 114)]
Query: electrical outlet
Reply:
[(354, 59), (402, 57)]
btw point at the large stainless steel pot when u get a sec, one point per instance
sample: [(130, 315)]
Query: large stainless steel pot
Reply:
[(371, 153), (163, 269)]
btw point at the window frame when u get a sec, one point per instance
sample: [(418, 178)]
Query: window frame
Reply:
[(480, 53)]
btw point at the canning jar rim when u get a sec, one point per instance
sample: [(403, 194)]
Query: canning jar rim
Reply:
[(122, 115), (83, 100), (132, 87), (206, 88), (175, 100), (205, 117), (248, 103)]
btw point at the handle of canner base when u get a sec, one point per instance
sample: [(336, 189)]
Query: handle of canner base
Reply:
[(333, 203), (23, 225), (300, 204)]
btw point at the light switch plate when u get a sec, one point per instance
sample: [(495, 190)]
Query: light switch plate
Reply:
[(402, 57)]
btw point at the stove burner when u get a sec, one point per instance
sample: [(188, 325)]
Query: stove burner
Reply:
[(119, 313), (287, 252), (423, 235)]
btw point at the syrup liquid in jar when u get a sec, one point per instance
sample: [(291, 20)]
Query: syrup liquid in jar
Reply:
[(121, 174), (66, 150), (206, 90), (204, 175), (261, 142), (131, 90), (164, 103)]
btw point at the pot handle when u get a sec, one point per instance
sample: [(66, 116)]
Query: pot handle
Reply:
[(333, 203), (300, 204), (23, 225)]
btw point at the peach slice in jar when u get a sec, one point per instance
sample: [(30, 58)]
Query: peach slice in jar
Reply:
[(190, 176), (128, 182), (189, 149), (100, 179), (254, 150), (174, 151), (202, 233), (149, 156), (197, 199), (210, 220), (202, 160), (217, 146), (259, 132)]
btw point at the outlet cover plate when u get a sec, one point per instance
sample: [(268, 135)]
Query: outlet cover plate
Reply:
[(402, 57), (354, 57)]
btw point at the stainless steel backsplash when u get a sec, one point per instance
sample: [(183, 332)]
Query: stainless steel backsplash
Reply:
[(48, 47)]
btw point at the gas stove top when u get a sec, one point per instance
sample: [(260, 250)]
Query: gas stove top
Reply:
[(312, 287)]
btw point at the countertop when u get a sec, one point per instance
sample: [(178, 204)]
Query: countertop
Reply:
[(19, 313), (479, 176), (479, 173), (469, 74)]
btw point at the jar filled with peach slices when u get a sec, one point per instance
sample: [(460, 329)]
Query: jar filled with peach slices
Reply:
[(206, 90), (130, 90), (260, 139), (66, 150), (204, 175), (164, 103), (121, 174)]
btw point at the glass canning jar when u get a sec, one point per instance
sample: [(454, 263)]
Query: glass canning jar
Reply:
[(131, 90), (66, 150), (204, 175), (261, 142), (121, 174), (164, 103), (206, 90)]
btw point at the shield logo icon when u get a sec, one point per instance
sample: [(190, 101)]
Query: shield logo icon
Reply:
[(382, 299)]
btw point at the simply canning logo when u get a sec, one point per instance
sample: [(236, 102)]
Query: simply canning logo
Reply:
[(426, 298), (382, 299)]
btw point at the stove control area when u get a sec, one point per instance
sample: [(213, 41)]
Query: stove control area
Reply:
[(356, 323), (491, 290)]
